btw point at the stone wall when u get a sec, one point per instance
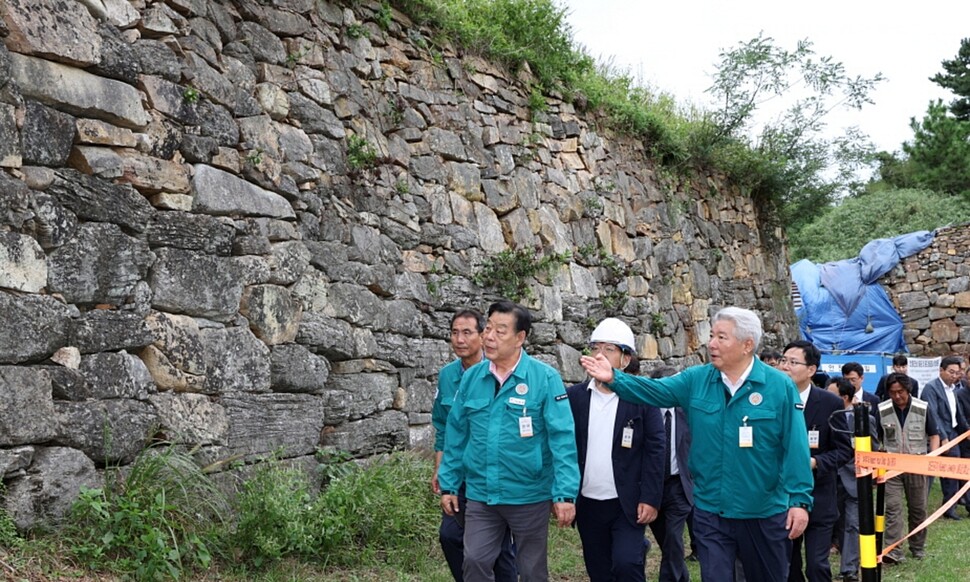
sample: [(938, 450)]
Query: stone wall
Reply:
[(244, 226), (931, 290)]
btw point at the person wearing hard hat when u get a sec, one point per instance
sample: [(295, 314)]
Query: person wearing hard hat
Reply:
[(749, 457), (621, 465), (510, 439)]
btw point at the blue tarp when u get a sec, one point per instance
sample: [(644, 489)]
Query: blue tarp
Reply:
[(842, 299)]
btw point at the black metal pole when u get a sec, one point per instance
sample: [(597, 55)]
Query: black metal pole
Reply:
[(867, 526)]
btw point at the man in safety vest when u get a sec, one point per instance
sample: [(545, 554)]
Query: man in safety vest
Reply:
[(905, 425)]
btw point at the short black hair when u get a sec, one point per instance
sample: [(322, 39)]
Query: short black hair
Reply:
[(948, 361), (813, 357), (470, 314), (901, 379), (900, 360), (766, 355), (845, 387), (849, 367), (523, 318)]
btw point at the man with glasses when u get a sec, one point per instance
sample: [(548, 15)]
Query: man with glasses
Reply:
[(830, 449), (511, 440), (749, 457), (466, 341), (621, 465)]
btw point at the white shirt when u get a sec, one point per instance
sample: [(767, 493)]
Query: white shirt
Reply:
[(598, 477), (674, 469), (804, 394), (732, 388), (857, 397), (951, 398)]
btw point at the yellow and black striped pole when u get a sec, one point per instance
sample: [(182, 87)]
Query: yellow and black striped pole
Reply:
[(880, 511), (867, 526)]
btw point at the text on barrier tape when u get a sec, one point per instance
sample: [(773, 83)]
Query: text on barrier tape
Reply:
[(951, 467)]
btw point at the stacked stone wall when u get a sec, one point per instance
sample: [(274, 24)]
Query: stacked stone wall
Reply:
[(243, 226), (931, 290)]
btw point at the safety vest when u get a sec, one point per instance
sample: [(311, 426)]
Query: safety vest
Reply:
[(910, 438)]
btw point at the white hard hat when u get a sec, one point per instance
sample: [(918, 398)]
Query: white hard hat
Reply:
[(613, 331)]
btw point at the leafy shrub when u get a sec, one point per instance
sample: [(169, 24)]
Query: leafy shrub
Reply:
[(9, 537), (382, 511), (153, 522), (379, 511), (510, 271), (273, 515), (360, 154)]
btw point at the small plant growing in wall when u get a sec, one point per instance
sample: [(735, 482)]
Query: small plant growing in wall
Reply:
[(537, 101), (191, 95), (384, 16), (255, 157), (509, 272), (357, 30), (360, 154), (657, 324)]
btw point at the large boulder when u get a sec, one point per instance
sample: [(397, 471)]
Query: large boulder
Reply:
[(45, 494)]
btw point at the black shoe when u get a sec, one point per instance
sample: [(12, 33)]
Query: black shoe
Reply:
[(919, 555), (890, 560), (692, 557), (952, 515)]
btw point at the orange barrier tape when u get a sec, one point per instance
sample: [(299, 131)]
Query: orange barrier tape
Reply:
[(897, 463), (933, 517), (860, 472)]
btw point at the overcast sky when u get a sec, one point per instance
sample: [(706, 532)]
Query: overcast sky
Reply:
[(673, 45)]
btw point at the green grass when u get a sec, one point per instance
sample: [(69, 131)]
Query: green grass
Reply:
[(388, 519)]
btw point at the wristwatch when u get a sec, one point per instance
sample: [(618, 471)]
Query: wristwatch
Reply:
[(564, 500), (802, 505)]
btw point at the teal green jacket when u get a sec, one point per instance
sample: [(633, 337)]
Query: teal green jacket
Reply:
[(483, 447), (448, 379), (732, 481)]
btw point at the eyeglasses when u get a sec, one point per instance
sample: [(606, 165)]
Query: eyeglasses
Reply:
[(790, 362), (605, 349)]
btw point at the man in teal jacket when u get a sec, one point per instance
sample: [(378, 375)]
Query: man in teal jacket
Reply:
[(467, 327), (510, 438), (750, 456)]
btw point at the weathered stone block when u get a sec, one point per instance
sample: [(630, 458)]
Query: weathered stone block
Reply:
[(273, 315), (191, 419), (101, 201), (100, 264), (260, 424), (195, 284), (235, 361), (218, 192), (26, 406), (35, 326), (294, 368), (103, 330), (47, 135), (44, 496), (191, 232), (116, 375), (78, 92), (10, 152), (383, 433), (355, 396), (61, 31), (23, 264), (107, 431)]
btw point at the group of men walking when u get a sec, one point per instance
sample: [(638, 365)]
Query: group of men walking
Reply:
[(756, 457)]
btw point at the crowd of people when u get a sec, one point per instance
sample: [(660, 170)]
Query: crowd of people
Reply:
[(750, 452)]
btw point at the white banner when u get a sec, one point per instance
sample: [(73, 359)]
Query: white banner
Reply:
[(924, 370)]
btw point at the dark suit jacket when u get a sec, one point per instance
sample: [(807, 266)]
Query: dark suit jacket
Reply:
[(872, 400), (681, 438), (833, 451), (638, 470), (963, 403), (847, 471), (934, 393)]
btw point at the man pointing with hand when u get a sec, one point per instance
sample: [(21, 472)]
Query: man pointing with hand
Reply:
[(750, 457)]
